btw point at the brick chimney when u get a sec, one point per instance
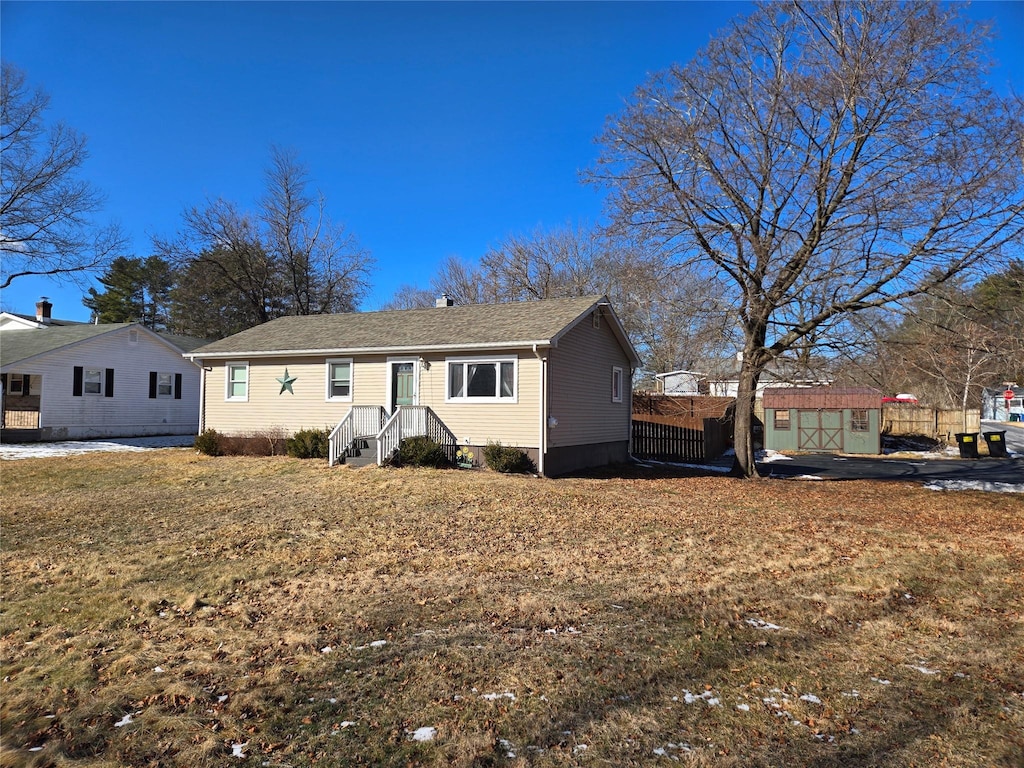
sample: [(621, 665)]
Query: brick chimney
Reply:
[(444, 300), (43, 309)]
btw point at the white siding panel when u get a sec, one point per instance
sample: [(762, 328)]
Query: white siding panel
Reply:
[(130, 411)]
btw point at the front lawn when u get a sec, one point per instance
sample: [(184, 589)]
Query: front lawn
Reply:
[(177, 610)]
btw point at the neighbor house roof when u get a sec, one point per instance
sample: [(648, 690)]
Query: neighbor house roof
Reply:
[(21, 345), (484, 326)]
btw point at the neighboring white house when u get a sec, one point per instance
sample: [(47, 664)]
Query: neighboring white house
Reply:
[(723, 379), (550, 377), (67, 380), (679, 382), (997, 407)]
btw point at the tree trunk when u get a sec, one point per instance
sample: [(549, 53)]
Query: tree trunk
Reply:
[(745, 465)]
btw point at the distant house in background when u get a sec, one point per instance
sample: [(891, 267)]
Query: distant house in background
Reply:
[(67, 380), (679, 382), (996, 407), (550, 377), (723, 376), (823, 419)]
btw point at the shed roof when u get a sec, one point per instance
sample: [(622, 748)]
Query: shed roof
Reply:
[(472, 326), (822, 397)]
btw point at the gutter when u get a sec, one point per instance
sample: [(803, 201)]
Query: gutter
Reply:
[(368, 350)]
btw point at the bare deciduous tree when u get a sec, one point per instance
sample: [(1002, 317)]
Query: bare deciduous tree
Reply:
[(820, 159), (46, 225), (285, 259)]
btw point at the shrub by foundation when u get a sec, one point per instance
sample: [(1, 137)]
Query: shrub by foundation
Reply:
[(309, 444), (502, 458), (421, 452), (208, 442)]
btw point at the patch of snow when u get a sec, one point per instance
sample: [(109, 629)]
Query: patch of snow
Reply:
[(810, 697), (806, 477), (374, 644), (158, 670), (426, 733), (973, 485), (761, 624), (767, 457), (580, 748), (708, 697), (881, 681), (237, 750), (922, 669), (14, 451), (496, 696), (346, 723), (326, 649), (506, 745), (126, 720), (35, 749)]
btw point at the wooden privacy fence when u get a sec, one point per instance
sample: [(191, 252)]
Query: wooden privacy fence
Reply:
[(658, 438), (932, 422)]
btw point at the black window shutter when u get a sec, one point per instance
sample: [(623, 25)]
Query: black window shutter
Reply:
[(76, 387), (177, 386), (152, 385), (109, 388)]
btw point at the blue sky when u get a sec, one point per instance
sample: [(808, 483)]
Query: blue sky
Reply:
[(433, 129)]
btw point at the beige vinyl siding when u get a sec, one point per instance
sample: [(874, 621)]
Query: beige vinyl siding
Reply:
[(267, 409), (580, 387), (513, 423)]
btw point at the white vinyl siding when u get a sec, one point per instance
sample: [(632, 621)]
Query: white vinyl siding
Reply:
[(131, 412)]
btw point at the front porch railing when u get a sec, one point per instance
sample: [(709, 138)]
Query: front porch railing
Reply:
[(414, 421), (360, 421)]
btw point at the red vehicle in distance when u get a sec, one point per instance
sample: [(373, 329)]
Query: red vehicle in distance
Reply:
[(901, 398)]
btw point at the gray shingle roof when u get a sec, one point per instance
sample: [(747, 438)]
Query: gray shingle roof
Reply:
[(22, 344), (474, 325)]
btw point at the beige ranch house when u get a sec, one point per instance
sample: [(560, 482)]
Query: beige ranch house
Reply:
[(551, 377)]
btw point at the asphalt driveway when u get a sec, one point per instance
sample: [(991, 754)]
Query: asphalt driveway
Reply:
[(829, 467)]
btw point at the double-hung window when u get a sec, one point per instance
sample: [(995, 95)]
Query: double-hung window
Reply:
[(237, 377), (616, 383), (339, 380), (92, 382), (491, 379)]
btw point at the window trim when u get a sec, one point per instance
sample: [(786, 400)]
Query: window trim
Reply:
[(328, 397), (496, 360), (170, 385), (776, 425), (101, 376), (856, 424), (618, 383), (228, 366)]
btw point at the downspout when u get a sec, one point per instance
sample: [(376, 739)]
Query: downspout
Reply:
[(202, 398), (543, 400)]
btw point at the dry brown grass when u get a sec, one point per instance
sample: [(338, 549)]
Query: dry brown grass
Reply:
[(225, 601)]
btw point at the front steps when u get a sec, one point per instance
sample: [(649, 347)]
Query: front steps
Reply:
[(363, 452)]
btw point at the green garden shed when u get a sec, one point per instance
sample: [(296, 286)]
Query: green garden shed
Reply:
[(823, 419)]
